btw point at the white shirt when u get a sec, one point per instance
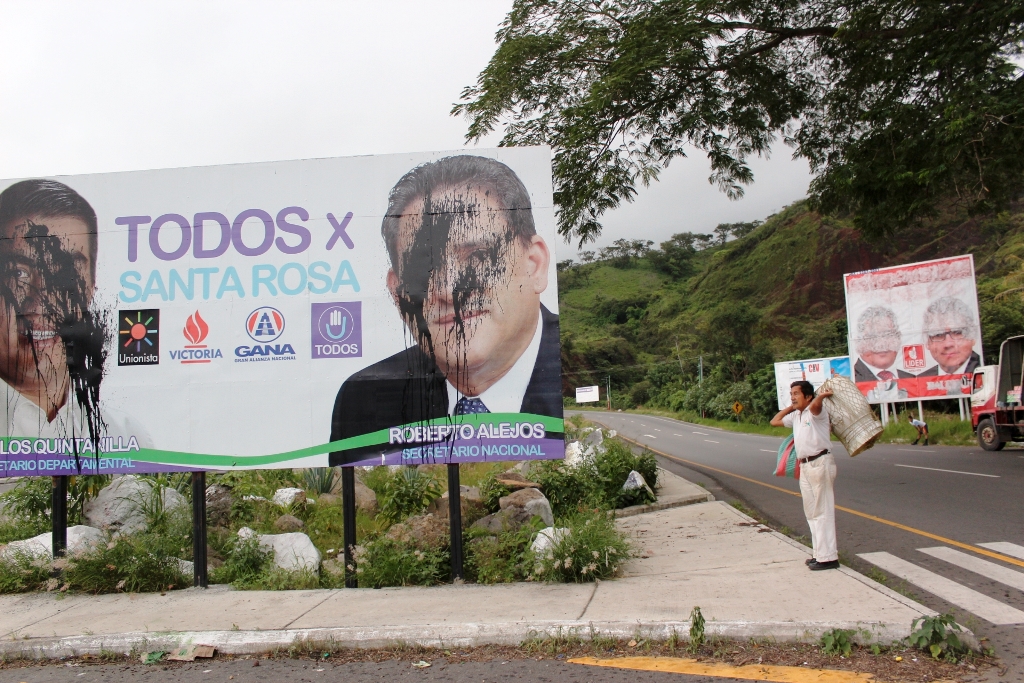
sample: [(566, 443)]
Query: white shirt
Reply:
[(21, 417), (506, 395), (810, 431)]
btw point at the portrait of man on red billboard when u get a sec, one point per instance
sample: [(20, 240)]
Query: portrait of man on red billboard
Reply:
[(950, 336)]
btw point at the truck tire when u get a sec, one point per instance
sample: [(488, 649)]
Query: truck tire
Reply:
[(988, 436)]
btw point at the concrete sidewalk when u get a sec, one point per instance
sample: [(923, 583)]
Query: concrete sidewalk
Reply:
[(747, 581)]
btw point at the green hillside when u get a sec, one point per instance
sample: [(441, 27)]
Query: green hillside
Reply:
[(646, 319)]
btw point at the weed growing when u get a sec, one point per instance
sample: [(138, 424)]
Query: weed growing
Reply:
[(131, 563), (591, 548), (386, 562)]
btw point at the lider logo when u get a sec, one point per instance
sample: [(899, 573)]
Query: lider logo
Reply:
[(265, 324), (196, 329), (138, 336), (337, 330), (913, 357)]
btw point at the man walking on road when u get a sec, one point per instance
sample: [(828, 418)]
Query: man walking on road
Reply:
[(809, 419)]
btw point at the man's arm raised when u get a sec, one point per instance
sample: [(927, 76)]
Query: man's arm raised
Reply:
[(777, 420), (816, 403)]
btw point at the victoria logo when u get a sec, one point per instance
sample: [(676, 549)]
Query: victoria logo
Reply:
[(196, 329), (337, 330), (138, 334), (264, 325)]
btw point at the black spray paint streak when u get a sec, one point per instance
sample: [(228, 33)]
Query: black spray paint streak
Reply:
[(44, 289), (461, 253)]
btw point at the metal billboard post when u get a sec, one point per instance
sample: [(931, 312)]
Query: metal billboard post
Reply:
[(199, 561), (59, 516), (455, 519), (348, 507)]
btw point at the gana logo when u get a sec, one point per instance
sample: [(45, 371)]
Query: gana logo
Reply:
[(195, 351), (264, 325)]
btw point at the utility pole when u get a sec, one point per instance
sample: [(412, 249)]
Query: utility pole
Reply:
[(700, 377), (608, 392)]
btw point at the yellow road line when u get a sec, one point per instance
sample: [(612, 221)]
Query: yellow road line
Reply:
[(749, 672), (880, 520)]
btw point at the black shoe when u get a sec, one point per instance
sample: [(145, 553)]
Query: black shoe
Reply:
[(810, 561), (818, 566)]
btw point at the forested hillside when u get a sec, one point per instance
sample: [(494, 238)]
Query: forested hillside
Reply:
[(752, 294)]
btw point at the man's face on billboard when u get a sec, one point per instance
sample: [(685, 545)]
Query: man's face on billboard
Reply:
[(468, 288), (45, 277), (950, 344), (882, 340)]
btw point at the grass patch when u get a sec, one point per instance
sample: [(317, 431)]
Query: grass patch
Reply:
[(592, 548)]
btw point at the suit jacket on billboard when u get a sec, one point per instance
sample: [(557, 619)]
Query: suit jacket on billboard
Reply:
[(408, 387), (863, 373), (972, 364)]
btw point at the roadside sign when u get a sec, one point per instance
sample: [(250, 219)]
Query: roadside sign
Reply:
[(587, 394)]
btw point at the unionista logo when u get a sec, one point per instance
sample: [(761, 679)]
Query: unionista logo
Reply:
[(196, 330), (265, 324)]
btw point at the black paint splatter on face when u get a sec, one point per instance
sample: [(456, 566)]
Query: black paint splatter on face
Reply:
[(47, 289), (448, 273), (449, 269)]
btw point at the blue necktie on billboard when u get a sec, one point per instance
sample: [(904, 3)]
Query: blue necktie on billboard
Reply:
[(470, 406)]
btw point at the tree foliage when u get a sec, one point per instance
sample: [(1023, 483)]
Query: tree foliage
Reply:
[(896, 104)]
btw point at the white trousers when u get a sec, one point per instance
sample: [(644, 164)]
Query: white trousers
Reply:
[(816, 478)]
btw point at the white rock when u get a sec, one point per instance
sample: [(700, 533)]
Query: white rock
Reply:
[(612, 434), (187, 567), (635, 481), (293, 551), (255, 498), (118, 505), (80, 539), (595, 439), (285, 497), (547, 539), (541, 507)]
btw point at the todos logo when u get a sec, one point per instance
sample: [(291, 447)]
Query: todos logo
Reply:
[(196, 329), (264, 325), (337, 330)]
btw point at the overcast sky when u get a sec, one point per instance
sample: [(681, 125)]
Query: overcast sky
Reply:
[(88, 87)]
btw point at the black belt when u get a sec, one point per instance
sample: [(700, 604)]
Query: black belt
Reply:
[(813, 457)]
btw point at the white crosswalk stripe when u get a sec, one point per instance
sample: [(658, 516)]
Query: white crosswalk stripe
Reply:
[(989, 570), (1011, 549), (966, 598)]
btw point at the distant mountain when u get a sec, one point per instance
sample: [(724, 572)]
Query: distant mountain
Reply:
[(646, 321)]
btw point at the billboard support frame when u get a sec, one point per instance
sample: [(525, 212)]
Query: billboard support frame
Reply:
[(199, 568), (455, 519), (59, 516), (348, 511)]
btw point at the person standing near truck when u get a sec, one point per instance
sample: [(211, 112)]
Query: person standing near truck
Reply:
[(922, 430), (808, 417)]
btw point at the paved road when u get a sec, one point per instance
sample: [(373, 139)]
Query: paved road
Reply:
[(299, 671), (962, 494)]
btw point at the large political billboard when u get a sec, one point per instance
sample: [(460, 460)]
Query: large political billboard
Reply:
[(814, 370), (397, 309), (914, 330)]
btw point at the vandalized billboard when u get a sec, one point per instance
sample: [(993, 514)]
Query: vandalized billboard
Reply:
[(815, 371), (914, 330), (396, 309)]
